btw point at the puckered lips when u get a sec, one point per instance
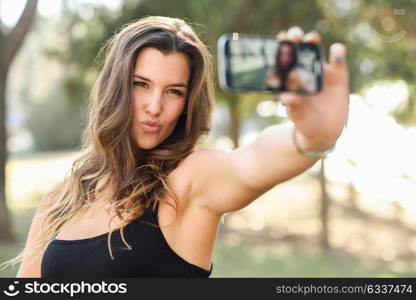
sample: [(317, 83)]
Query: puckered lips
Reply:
[(150, 126)]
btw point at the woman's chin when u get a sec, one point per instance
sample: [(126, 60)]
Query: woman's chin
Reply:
[(147, 146), (148, 143)]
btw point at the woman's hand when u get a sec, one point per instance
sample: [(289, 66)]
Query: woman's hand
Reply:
[(319, 118), (250, 170)]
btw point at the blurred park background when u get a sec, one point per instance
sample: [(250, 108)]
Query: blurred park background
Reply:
[(353, 215)]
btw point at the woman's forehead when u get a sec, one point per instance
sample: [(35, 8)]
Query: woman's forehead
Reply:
[(155, 65)]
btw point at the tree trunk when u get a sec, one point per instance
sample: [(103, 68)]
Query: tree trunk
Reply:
[(235, 119), (9, 45), (325, 203), (6, 234)]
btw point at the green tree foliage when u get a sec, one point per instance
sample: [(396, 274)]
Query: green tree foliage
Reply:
[(55, 124), (376, 49), (353, 23)]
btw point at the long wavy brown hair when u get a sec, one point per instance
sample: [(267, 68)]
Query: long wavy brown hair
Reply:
[(109, 154)]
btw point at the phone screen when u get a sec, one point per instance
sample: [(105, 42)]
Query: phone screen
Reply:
[(249, 63)]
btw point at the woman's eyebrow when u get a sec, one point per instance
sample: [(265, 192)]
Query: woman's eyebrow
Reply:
[(173, 84), (141, 77)]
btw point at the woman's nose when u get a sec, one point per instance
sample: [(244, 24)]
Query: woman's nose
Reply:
[(154, 104)]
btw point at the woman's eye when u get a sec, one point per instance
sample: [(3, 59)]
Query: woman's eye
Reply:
[(140, 83), (177, 92)]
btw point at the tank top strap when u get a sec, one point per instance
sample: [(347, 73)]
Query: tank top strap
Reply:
[(149, 215), (153, 208)]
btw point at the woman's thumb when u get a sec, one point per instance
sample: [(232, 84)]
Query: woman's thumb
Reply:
[(337, 55)]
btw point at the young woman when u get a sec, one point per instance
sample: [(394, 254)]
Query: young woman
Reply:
[(142, 200), (283, 76)]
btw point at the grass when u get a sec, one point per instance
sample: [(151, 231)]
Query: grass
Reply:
[(248, 260)]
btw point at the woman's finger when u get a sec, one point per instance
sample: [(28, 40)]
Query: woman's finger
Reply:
[(337, 54), (289, 99), (336, 71), (295, 34), (282, 36), (312, 37)]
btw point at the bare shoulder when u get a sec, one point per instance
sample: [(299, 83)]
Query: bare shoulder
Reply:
[(187, 172), (203, 161), (206, 156), (30, 266), (200, 169), (199, 159), (219, 182), (48, 198)]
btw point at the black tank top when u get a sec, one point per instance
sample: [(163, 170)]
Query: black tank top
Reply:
[(151, 255)]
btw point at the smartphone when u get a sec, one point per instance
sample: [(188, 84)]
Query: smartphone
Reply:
[(255, 63)]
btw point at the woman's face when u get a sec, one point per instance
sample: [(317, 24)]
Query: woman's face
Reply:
[(286, 55), (160, 86)]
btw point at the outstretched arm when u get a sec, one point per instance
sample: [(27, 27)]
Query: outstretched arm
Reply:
[(228, 181)]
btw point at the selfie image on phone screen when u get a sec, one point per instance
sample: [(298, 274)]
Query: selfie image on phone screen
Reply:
[(256, 63), (295, 69)]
